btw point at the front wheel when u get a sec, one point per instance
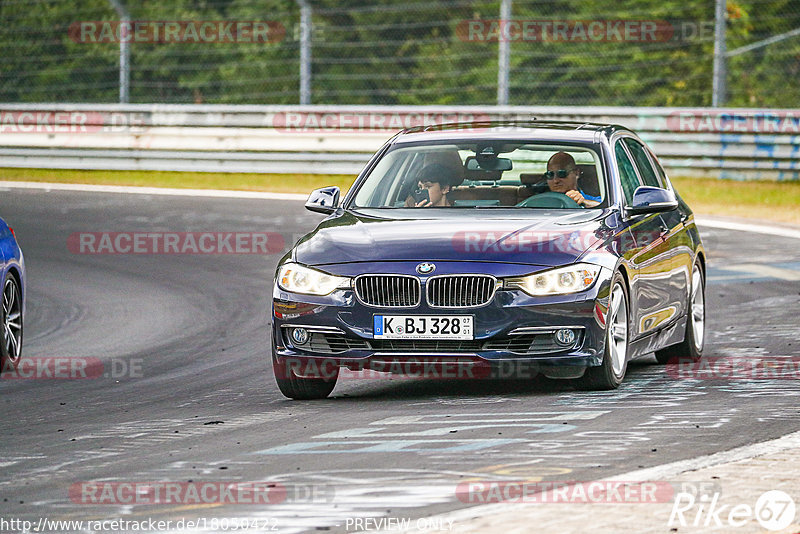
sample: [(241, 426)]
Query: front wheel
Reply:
[(691, 348), (10, 324), (610, 373), (298, 387)]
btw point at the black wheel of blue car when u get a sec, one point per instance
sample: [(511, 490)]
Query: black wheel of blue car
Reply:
[(11, 321), (691, 348), (299, 387), (610, 373)]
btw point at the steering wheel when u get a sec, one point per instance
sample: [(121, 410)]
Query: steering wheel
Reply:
[(549, 199)]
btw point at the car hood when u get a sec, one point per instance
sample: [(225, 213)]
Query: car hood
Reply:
[(545, 238)]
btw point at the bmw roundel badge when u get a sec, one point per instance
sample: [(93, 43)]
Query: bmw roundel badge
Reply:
[(426, 268)]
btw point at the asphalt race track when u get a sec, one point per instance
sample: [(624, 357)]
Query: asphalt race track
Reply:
[(186, 392)]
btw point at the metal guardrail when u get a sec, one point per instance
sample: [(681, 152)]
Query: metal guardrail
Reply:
[(733, 143)]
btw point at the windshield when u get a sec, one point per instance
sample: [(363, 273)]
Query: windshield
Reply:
[(486, 174)]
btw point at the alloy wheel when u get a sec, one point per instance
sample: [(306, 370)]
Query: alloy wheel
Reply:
[(12, 319), (698, 308), (618, 334)]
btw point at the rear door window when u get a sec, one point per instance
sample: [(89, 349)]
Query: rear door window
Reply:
[(627, 174), (643, 163)]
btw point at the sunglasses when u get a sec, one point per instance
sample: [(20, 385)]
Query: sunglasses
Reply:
[(560, 173)]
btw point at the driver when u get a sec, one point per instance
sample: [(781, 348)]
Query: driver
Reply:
[(436, 179), (562, 177)]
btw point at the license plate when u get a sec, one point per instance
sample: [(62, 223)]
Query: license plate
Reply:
[(423, 327)]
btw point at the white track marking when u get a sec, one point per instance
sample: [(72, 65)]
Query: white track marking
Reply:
[(767, 271), (748, 227), (211, 193)]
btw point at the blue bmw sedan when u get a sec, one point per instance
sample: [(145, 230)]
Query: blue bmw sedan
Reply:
[(13, 306), (556, 248)]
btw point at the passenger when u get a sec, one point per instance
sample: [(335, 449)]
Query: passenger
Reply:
[(436, 179), (562, 177)]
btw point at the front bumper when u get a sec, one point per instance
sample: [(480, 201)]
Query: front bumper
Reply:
[(513, 327)]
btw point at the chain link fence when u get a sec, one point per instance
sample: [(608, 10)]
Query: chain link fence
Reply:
[(442, 52)]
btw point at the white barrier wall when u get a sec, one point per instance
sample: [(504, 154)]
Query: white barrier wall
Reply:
[(730, 143)]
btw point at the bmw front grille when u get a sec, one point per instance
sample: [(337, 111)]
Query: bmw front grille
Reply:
[(460, 290), (388, 290), (445, 291)]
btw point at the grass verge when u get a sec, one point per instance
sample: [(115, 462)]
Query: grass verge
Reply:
[(775, 201), (771, 201)]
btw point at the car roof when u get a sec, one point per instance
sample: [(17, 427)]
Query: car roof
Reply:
[(585, 132)]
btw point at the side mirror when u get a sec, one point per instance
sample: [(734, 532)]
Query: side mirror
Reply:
[(323, 200), (648, 199)]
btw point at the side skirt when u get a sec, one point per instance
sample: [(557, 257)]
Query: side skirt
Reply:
[(665, 337)]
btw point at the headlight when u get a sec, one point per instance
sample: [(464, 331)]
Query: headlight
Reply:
[(298, 279), (561, 281)]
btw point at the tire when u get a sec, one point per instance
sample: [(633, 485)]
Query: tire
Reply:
[(10, 324), (610, 373), (691, 348), (300, 387)]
